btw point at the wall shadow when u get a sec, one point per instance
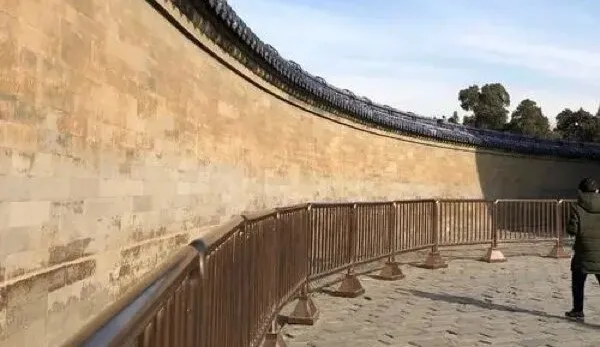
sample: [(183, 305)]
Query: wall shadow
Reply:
[(513, 176), (466, 300)]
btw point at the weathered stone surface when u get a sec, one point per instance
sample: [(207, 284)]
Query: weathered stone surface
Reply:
[(517, 303)]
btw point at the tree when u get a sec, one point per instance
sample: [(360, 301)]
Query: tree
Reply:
[(454, 118), (578, 126), (528, 119), (488, 105), (469, 120)]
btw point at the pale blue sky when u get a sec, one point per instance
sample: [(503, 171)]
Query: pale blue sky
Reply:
[(417, 54)]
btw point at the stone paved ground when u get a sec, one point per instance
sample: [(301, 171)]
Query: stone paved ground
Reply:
[(517, 303)]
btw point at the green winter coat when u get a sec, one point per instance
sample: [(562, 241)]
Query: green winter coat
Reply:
[(584, 224)]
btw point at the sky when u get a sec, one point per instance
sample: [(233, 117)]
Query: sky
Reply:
[(415, 55)]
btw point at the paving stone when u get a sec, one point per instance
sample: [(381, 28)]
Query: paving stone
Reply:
[(517, 303)]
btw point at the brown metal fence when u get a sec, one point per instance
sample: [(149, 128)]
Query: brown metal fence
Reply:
[(519, 220), (332, 238), (414, 225), (373, 223), (464, 222), (228, 288)]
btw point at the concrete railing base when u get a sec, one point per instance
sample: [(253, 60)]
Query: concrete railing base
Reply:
[(274, 338), (390, 272), (493, 255), (558, 252), (305, 312), (434, 261), (350, 287)]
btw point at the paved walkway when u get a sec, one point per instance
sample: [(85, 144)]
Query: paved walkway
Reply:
[(517, 303)]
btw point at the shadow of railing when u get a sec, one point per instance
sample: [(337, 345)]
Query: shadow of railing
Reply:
[(487, 305)]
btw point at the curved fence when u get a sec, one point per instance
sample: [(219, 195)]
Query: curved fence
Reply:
[(228, 288)]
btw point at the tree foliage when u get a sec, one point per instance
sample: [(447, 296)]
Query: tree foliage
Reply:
[(488, 110), (578, 126), (454, 118), (528, 119), (488, 105)]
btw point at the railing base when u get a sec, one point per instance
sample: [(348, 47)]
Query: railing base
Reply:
[(558, 252), (390, 272), (274, 339), (350, 287), (493, 255), (305, 312), (434, 261)]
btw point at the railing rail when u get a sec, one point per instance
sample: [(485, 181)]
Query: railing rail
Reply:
[(163, 308), (228, 288)]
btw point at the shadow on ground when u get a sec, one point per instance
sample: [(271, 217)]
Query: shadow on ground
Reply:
[(465, 300)]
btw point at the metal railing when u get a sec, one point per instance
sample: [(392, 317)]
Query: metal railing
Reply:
[(163, 309), (228, 288)]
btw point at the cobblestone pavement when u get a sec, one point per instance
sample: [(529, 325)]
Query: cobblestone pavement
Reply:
[(517, 303)]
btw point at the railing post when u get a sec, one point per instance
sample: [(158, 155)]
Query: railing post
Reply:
[(558, 251), (305, 312), (274, 338), (391, 271), (434, 258), (493, 254), (198, 283), (309, 241), (351, 286)]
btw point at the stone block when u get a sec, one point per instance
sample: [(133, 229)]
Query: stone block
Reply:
[(49, 188), (119, 187), (32, 333), (15, 188), (110, 188), (99, 208), (28, 213), (55, 92), (3, 218), (184, 188), (83, 187), (8, 42), (142, 203), (18, 264), (8, 105), (2, 324), (70, 251), (18, 239), (21, 162), (21, 137), (5, 161), (22, 317), (164, 188), (75, 46)]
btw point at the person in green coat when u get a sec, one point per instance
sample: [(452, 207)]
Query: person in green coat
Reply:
[(584, 224)]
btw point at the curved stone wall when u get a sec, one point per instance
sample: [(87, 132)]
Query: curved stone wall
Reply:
[(216, 19), (126, 129)]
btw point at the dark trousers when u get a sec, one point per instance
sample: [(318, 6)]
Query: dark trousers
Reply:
[(578, 278)]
